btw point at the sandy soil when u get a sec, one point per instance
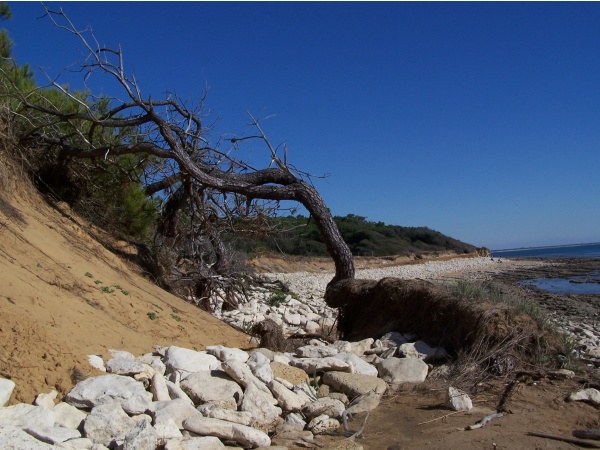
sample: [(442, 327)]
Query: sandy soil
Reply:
[(54, 312)]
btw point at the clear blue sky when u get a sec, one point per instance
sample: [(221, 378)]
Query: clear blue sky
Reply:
[(479, 120)]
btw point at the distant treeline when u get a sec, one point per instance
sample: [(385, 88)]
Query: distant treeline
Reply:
[(298, 235)]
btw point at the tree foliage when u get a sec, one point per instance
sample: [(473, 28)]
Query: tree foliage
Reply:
[(299, 236)]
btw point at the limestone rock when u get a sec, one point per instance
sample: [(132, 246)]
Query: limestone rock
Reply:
[(160, 391), (313, 365), (353, 384), (46, 400), (67, 416), (262, 406), (26, 416), (108, 423), (94, 391), (358, 364), (402, 370), (13, 438), (288, 400), (590, 395), (53, 435), (458, 400), (202, 387), (124, 366), (176, 410), (422, 350), (242, 374), (141, 437), (316, 351), (177, 358), (324, 405), (195, 443), (359, 348), (226, 430), (214, 412), (96, 362), (322, 424), (6, 390), (225, 353), (175, 392), (292, 374)]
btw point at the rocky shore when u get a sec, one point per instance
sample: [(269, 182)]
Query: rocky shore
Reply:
[(176, 398)]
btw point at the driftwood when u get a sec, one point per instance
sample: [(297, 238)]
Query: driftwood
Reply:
[(587, 434), (482, 423), (571, 440)]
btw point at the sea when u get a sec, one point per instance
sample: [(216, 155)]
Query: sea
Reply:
[(560, 251), (587, 284)]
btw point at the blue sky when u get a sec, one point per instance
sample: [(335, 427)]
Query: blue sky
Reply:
[(479, 120)]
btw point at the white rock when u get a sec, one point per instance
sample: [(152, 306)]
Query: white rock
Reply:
[(167, 430), (359, 365), (27, 416), (13, 438), (177, 358), (6, 389), (225, 353), (359, 348), (392, 339), (121, 354), (160, 391), (342, 346), (141, 437), (202, 387), (80, 443), (458, 400), (241, 434), (124, 366), (214, 412), (52, 435), (68, 416), (322, 424), (312, 327), (176, 410), (288, 400), (422, 350), (175, 392), (325, 405), (93, 391), (281, 358), (354, 384), (242, 374), (262, 406), (296, 420), (46, 400), (96, 362), (312, 351), (195, 443), (587, 395), (294, 319), (312, 365), (107, 423), (402, 370)]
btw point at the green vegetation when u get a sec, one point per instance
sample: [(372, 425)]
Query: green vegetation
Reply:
[(300, 236)]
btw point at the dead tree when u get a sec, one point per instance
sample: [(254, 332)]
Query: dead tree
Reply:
[(171, 131)]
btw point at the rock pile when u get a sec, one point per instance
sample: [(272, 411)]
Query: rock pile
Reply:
[(185, 399)]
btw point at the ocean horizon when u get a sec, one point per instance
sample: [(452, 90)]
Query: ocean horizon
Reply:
[(589, 250)]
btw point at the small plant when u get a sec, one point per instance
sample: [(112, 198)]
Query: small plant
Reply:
[(277, 299), (124, 292), (89, 275), (116, 286), (107, 290), (152, 315), (156, 306), (98, 282), (175, 310), (176, 318)]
